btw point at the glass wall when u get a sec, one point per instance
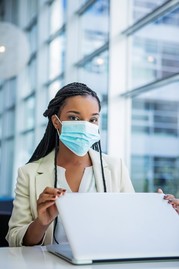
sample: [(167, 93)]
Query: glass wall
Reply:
[(153, 85), (23, 99), (155, 143), (155, 56), (97, 30), (57, 57), (57, 15), (140, 9), (7, 135), (128, 52)]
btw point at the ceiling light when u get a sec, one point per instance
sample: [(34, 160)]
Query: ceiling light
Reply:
[(150, 59), (2, 49), (100, 61)]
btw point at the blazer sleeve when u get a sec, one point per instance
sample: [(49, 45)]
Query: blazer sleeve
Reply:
[(21, 216), (125, 184)]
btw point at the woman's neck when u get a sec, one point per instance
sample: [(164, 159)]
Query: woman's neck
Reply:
[(66, 157)]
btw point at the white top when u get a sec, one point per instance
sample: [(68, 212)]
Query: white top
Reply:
[(87, 185)]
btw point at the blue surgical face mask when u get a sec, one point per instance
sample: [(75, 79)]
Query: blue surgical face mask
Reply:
[(79, 136)]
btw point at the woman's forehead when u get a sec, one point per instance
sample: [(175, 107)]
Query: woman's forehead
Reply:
[(81, 102)]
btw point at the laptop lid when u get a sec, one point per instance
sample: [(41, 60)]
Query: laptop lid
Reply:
[(114, 226)]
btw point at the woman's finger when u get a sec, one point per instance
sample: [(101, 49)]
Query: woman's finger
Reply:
[(169, 197), (174, 202), (46, 198), (159, 190), (52, 194), (54, 191)]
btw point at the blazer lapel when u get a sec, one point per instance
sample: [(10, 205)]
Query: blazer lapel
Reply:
[(45, 174), (95, 157)]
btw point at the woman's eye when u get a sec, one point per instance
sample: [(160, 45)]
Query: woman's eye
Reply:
[(93, 120), (73, 118)]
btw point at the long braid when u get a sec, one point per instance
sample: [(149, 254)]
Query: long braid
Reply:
[(55, 185), (102, 169), (55, 160)]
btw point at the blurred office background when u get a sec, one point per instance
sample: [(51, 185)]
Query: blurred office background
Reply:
[(126, 50)]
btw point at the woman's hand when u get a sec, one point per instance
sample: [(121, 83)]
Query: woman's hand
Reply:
[(171, 200), (47, 212), (175, 203), (46, 208)]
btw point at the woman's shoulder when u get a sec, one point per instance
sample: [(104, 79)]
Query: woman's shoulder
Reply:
[(111, 160), (107, 159), (110, 157), (33, 166)]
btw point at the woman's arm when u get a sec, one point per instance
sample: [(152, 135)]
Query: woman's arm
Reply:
[(47, 212), (27, 225)]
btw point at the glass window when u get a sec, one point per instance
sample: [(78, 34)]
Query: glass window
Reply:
[(57, 15), (54, 88), (1, 100), (95, 74), (26, 147), (141, 171), (7, 151), (0, 128), (10, 93), (32, 8), (32, 70), (9, 123), (93, 35), (155, 56), (47, 94), (141, 8), (155, 140), (82, 2), (28, 79), (28, 113), (56, 57), (33, 38), (24, 82)]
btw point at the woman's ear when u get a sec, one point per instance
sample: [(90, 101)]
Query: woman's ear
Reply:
[(55, 122)]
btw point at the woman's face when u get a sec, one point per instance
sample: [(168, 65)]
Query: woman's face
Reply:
[(83, 108)]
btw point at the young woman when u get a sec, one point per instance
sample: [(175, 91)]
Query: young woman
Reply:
[(68, 159)]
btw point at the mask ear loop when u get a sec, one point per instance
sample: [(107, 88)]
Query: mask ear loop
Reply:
[(59, 121), (58, 118)]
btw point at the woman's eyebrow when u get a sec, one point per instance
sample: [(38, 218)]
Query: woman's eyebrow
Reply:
[(95, 114), (72, 111), (78, 113)]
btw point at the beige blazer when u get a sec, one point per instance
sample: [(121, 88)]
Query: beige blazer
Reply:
[(34, 177)]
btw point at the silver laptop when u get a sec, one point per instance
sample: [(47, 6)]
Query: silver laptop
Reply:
[(117, 226)]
